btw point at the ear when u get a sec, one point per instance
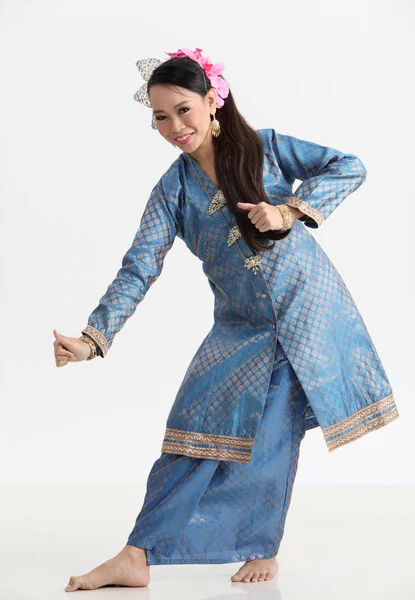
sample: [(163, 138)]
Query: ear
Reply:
[(212, 98)]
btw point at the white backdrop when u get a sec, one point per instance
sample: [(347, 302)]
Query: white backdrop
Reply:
[(78, 161)]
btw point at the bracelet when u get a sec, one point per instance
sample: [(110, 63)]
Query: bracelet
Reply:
[(92, 345), (287, 217)]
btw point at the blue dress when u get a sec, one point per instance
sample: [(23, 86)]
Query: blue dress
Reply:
[(291, 294)]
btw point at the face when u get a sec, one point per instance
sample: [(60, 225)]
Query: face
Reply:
[(178, 111)]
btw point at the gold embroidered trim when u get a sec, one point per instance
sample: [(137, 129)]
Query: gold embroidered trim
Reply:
[(208, 438), (212, 453), (217, 202), (364, 427), (254, 263), (306, 209), (367, 411), (363, 430), (234, 234), (98, 338), (216, 447)]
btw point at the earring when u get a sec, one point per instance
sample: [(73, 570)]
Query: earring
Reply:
[(214, 125), (153, 122)]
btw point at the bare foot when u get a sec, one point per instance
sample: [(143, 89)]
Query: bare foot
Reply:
[(127, 568), (257, 570)]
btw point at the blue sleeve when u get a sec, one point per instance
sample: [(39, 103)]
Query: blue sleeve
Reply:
[(140, 267), (328, 176)]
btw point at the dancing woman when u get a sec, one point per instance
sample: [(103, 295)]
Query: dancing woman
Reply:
[(288, 350)]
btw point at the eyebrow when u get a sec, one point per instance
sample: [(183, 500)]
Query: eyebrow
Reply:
[(177, 105)]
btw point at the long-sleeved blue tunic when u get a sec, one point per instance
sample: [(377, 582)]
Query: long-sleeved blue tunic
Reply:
[(292, 292)]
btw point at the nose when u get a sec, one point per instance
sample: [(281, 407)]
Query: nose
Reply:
[(177, 126)]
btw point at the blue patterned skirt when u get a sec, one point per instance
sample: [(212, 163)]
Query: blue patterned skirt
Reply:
[(198, 510)]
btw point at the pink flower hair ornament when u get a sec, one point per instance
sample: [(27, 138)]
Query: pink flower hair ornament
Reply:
[(147, 65), (212, 71)]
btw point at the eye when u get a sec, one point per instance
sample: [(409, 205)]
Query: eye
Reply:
[(181, 108)]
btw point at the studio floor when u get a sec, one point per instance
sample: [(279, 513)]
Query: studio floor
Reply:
[(340, 542)]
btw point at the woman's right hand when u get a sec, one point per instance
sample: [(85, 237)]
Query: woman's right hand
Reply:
[(69, 349)]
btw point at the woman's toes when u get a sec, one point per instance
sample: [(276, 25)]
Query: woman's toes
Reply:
[(72, 585), (239, 575), (246, 576), (81, 583)]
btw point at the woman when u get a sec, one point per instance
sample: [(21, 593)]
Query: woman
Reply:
[(288, 350)]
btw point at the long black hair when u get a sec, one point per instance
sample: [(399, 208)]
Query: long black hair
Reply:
[(239, 153)]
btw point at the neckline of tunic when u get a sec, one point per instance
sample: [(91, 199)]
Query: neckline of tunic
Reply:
[(213, 188)]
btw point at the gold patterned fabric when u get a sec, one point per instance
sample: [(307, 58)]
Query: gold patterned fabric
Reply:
[(292, 293), (194, 511)]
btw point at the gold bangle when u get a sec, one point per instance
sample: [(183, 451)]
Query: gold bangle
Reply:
[(287, 217), (92, 345)]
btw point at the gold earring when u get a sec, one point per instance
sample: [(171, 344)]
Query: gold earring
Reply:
[(214, 125)]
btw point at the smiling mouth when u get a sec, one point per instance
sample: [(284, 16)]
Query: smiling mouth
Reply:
[(183, 139)]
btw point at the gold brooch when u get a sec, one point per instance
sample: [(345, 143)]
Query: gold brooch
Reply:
[(217, 202), (254, 263), (234, 234)]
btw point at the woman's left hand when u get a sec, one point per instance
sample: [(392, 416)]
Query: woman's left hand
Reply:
[(264, 216)]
